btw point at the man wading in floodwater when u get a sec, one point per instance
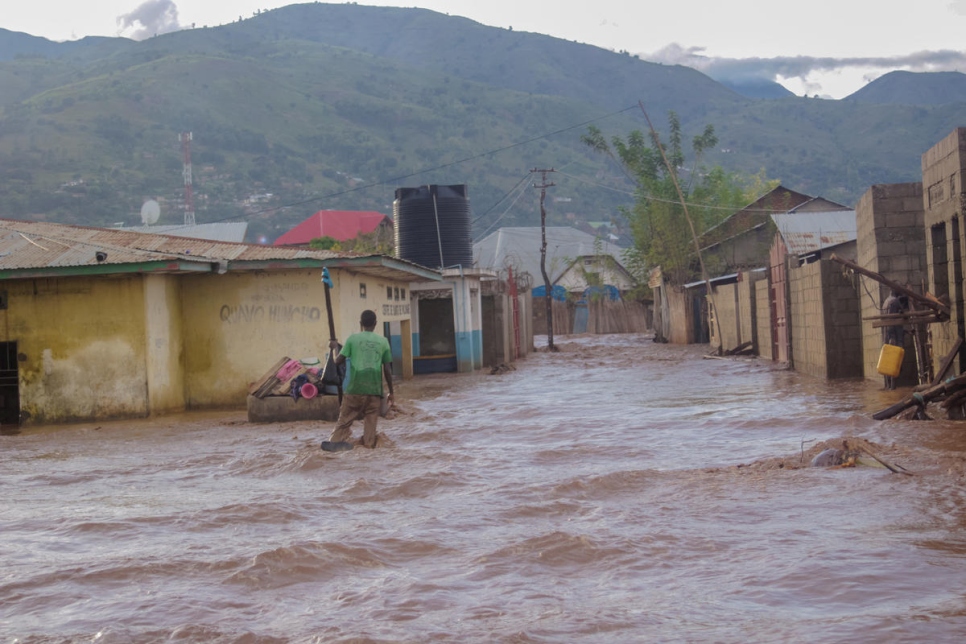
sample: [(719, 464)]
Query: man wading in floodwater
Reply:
[(369, 358)]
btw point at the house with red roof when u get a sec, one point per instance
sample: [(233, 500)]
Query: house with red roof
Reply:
[(337, 224)]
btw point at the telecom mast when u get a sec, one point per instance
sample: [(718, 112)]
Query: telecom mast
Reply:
[(189, 198)]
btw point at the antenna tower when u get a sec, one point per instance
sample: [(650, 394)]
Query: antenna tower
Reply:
[(189, 198)]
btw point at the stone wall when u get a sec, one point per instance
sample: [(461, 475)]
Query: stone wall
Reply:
[(892, 242)]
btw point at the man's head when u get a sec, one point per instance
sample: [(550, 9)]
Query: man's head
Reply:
[(368, 320)]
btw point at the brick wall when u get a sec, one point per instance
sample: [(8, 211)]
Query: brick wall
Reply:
[(892, 242)]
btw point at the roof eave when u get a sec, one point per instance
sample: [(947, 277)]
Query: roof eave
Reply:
[(408, 271), (173, 266)]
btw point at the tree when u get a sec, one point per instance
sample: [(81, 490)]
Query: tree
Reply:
[(659, 227), (325, 243)]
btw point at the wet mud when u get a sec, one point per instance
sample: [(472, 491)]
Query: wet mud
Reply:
[(615, 490)]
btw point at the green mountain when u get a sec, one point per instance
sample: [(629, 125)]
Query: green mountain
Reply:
[(909, 88), (335, 106), (756, 87)]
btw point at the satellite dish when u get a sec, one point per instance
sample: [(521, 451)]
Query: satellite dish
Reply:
[(150, 212)]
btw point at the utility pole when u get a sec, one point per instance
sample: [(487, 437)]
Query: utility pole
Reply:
[(189, 199), (543, 253)]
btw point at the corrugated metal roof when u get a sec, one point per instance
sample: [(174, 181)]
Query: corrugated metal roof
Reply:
[(222, 231), (520, 247), (807, 232), (35, 246), (337, 224)]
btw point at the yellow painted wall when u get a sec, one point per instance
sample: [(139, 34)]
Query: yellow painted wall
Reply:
[(119, 347), (349, 301), (238, 325), (83, 346), (164, 351)]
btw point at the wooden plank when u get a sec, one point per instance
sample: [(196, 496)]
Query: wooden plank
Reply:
[(947, 362), (912, 316), (267, 388), (929, 320), (921, 398), (258, 384), (927, 300)]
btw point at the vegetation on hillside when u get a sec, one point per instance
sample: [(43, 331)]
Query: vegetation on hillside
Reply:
[(336, 105)]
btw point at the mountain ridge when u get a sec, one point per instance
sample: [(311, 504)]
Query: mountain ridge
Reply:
[(333, 106)]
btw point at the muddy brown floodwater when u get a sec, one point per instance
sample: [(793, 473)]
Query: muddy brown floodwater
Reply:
[(617, 491)]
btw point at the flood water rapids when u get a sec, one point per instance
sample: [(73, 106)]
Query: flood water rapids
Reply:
[(618, 490)]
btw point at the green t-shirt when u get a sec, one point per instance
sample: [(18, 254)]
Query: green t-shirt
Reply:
[(366, 353)]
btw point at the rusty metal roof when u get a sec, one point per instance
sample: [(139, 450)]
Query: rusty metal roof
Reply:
[(33, 248), (807, 232)]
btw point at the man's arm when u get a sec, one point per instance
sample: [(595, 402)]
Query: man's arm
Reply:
[(387, 372), (335, 346)]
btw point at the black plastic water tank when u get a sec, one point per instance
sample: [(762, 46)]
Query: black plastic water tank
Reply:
[(432, 226)]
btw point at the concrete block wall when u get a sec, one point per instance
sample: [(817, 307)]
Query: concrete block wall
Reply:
[(843, 323), (943, 177), (825, 321), (737, 311), (763, 319), (807, 319), (725, 302), (747, 310), (892, 242)]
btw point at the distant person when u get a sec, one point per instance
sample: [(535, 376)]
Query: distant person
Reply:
[(369, 358), (893, 334)]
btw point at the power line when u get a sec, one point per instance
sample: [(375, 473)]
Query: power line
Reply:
[(502, 199), (515, 200)]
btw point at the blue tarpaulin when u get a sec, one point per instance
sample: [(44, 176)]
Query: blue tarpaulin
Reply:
[(558, 292)]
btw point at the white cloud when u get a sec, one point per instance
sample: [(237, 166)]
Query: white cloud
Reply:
[(150, 18)]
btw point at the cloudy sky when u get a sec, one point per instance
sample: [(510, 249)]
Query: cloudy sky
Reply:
[(825, 47)]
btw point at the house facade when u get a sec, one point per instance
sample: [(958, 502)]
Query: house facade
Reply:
[(944, 203), (577, 265), (101, 324)]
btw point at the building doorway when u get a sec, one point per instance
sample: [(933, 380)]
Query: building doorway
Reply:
[(9, 386)]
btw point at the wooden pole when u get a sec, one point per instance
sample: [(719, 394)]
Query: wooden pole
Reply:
[(921, 398), (925, 300), (326, 282), (543, 256)]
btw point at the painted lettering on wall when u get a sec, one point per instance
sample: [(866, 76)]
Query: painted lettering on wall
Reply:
[(244, 313), (393, 310), (252, 313), (292, 313)]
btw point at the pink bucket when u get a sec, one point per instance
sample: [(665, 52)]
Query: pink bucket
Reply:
[(309, 390)]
